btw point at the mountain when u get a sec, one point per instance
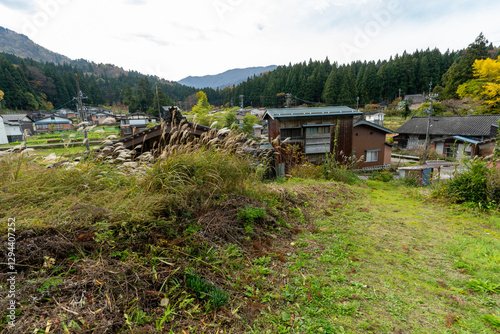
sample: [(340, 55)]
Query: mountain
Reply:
[(226, 79), (20, 45)]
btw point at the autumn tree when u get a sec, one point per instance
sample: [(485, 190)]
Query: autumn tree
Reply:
[(461, 71), (486, 83), (201, 111), (1, 98)]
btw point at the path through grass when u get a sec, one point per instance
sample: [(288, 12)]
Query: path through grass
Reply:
[(386, 259)]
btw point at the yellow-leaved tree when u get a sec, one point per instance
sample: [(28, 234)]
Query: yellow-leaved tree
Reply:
[(201, 111), (1, 95), (486, 84)]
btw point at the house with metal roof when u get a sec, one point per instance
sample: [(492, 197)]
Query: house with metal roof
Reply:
[(449, 135), (316, 131), (53, 123), (13, 127), (136, 122)]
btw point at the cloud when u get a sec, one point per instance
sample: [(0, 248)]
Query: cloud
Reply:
[(153, 39), (136, 2), (23, 5)]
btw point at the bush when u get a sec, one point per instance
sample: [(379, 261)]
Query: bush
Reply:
[(307, 171), (340, 171), (384, 176), (479, 184)]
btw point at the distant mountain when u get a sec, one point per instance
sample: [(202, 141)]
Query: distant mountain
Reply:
[(226, 79), (20, 45)]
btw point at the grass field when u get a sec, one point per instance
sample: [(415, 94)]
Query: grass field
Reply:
[(199, 244), (387, 259)]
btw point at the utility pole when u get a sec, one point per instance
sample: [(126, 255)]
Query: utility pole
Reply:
[(357, 103), (158, 97), (431, 97), (82, 115), (241, 102), (400, 92)]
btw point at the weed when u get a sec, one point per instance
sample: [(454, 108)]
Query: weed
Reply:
[(483, 286), (136, 317), (249, 214), (205, 290), (493, 320)]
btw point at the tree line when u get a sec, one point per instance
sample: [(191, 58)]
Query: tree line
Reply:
[(330, 83), (31, 85)]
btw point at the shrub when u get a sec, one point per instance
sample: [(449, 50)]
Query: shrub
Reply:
[(479, 184), (384, 176), (340, 171), (307, 171)]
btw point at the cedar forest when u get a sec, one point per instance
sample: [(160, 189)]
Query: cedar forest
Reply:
[(31, 85)]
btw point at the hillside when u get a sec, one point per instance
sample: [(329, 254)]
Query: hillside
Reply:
[(229, 78), (20, 45), (197, 243)]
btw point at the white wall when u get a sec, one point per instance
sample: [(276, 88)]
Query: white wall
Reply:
[(13, 130), (3, 133)]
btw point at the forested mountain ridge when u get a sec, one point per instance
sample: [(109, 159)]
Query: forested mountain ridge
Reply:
[(32, 85), (228, 78), (20, 45)]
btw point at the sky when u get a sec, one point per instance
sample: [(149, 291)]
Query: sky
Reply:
[(176, 39)]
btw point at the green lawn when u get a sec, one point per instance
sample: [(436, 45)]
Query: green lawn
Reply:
[(386, 259)]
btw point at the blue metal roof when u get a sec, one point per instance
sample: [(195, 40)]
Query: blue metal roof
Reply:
[(461, 138), (311, 112)]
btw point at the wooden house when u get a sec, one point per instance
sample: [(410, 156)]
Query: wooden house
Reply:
[(101, 117), (449, 135), (13, 127), (53, 123), (316, 131), (369, 142), (135, 123)]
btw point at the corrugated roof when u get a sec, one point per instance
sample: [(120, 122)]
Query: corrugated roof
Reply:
[(54, 119), (311, 112), (461, 138), (471, 125), (376, 126), (13, 117)]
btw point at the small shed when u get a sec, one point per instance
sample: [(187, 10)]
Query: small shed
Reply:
[(423, 173)]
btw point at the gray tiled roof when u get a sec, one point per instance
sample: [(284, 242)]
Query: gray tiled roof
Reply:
[(472, 125)]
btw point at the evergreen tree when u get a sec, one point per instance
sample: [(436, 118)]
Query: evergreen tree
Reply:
[(461, 71)]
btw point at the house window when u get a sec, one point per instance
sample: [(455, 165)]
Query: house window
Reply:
[(127, 131), (318, 130), (292, 133), (372, 155)]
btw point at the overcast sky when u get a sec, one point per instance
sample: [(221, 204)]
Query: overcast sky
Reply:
[(175, 39)]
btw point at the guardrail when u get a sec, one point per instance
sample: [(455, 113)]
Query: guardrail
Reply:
[(409, 157)]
